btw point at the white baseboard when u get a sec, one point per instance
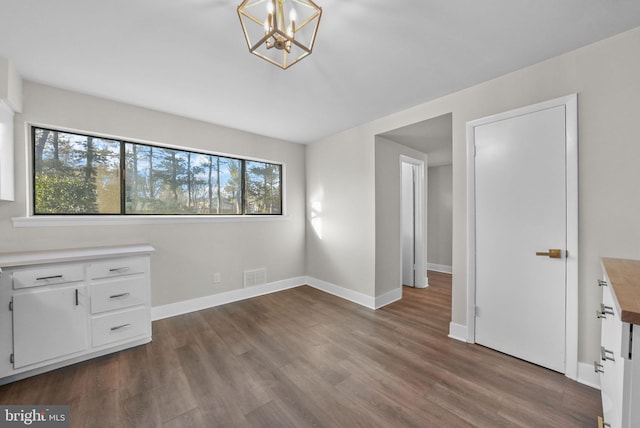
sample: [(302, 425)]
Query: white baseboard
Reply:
[(388, 297), (179, 308), (192, 305), (587, 375), (458, 331), (345, 293), (439, 268), (424, 284)]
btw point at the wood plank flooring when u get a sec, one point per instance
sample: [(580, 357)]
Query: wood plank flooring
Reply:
[(303, 358)]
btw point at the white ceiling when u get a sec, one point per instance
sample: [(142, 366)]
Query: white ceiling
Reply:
[(371, 58)]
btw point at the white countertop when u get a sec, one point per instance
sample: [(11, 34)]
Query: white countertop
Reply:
[(25, 258)]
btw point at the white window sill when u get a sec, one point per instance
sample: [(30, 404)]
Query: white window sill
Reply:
[(122, 220)]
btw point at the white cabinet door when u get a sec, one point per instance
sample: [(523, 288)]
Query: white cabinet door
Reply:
[(49, 323)]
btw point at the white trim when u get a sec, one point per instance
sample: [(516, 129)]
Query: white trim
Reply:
[(570, 103), (124, 220), (197, 304), (572, 327), (439, 268), (587, 376), (345, 293), (186, 306), (388, 297), (471, 235), (458, 332)]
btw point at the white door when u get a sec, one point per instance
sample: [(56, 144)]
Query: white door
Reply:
[(521, 209), (413, 222), (408, 225)]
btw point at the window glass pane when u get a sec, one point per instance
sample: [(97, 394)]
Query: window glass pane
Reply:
[(75, 174), (229, 188), (202, 182), (168, 181), (154, 180), (262, 187)]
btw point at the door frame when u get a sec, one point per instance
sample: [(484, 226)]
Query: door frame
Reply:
[(420, 253), (570, 103)]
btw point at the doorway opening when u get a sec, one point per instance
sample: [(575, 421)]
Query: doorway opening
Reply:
[(431, 142)]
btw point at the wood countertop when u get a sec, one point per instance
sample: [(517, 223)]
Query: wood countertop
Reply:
[(624, 279)]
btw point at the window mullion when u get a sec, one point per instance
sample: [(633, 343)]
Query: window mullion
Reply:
[(123, 178), (243, 192)]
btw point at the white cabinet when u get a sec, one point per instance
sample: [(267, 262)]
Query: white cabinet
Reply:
[(61, 307), (612, 361), (618, 365), (49, 323)]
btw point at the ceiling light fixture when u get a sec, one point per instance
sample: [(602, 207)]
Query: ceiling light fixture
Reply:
[(272, 36)]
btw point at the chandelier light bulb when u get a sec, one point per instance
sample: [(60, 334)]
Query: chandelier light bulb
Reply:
[(270, 7)]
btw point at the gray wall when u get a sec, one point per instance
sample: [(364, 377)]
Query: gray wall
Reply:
[(604, 74), (341, 213), (187, 253), (387, 216), (440, 227)]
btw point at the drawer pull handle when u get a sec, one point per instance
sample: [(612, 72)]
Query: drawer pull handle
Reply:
[(602, 423), (597, 367), (119, 327), (606, 354), (602, 283), (120, 269), (44, 278), (117, 296), (607, 310)]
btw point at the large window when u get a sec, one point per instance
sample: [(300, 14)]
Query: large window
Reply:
[(83, 174)]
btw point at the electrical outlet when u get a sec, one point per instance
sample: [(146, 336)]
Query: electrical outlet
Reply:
[(216, 278)]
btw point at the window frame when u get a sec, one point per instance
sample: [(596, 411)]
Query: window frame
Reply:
[(41, 219)]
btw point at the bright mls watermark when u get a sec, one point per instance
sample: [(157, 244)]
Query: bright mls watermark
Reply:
[(34, 416)]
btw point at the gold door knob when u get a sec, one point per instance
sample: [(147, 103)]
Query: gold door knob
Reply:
[(554, 253)]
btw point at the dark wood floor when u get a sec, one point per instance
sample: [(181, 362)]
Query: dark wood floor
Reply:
[(302, 358)]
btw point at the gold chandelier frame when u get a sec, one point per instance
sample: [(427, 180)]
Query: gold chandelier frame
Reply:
[(271, 37)]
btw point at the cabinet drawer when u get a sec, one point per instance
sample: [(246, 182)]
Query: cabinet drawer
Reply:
[(48, 275), (120, 326), (118, 293), (118, 267)]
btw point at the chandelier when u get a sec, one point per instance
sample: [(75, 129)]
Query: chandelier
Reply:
[(280, 31)]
